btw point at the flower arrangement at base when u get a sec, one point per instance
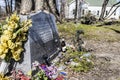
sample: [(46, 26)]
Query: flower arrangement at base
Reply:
[(14, 34)]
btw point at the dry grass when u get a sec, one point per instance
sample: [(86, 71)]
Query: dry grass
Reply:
[(104, 33)]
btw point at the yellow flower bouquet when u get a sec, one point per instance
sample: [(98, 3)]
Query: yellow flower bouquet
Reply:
[(14, 34)]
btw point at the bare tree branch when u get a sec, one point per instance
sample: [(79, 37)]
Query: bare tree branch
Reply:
[(113, 11), (112, 8), (51, 6)]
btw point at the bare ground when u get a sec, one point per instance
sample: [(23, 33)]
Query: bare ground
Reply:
[(106, 62)]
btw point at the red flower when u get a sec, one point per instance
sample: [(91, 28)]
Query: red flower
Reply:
[(24, 78), (60, 78)]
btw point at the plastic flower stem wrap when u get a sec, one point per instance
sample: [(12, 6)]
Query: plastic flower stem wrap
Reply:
[(14, 35)]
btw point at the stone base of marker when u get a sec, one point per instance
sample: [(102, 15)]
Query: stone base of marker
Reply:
[(4, 67)]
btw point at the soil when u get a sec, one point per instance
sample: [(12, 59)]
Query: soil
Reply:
[(106, 61)]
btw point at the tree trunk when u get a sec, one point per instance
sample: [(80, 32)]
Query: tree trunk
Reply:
[(6, 7), (17, 5), (26, 6), (80, 9), (11, 2), (51, 5), (103, 10), (62, 11), (76, 10), (38, 5)]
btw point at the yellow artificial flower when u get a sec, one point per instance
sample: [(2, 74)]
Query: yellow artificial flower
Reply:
[(18, 38), (12, 51), (5, 45), (6, 50), (4, 39), (2, 77), (18, 44), (14, 17), (29, 22), (17, 50), (12, 25), (25, 29), (3, 50), (11, 45), (29, 73), (16, 56), (5, 26), (7, 32), (26, 23), (2, 56), (14, 35), (16, 53), (23, 36)]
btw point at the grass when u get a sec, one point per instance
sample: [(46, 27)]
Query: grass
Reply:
[(104, 33), (82, 63)]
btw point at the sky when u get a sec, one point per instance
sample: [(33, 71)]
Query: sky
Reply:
[(2, 3)]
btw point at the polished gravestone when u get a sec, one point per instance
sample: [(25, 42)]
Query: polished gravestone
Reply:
[(43, 40)]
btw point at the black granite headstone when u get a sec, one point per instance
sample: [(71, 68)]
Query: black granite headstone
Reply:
[(43, 40)]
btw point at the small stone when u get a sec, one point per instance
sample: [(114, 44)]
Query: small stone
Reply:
[(74, 63), (86, 55), (61, 68)]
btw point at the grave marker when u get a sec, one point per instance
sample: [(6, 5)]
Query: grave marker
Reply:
[(43, 40)]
